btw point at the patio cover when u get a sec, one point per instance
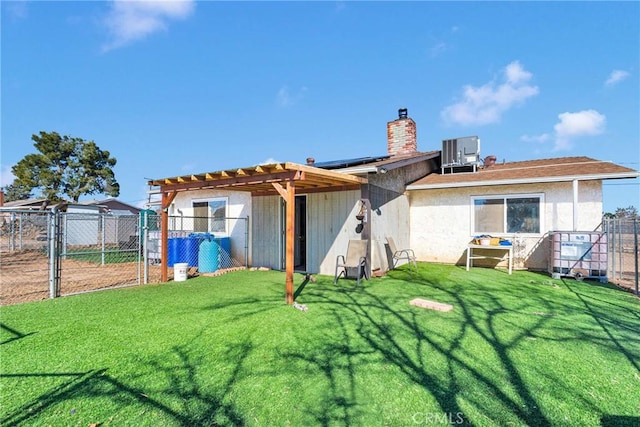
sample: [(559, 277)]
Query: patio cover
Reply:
[(286, 179)]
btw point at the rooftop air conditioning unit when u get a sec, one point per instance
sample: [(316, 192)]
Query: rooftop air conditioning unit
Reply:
[(458, 152)]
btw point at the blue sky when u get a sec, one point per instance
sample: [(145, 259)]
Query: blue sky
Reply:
[(173, 88)]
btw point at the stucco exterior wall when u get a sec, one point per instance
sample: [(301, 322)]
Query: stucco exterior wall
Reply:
[(441, 219)]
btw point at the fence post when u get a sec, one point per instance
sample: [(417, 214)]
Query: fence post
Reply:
[(54, 254), (104, 234), (12, 240), (20, 231), (635, 244), (246, 242), (144, 236), (612, 242)]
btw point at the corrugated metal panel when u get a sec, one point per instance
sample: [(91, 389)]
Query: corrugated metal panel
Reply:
[(265, 232), (331, 224)]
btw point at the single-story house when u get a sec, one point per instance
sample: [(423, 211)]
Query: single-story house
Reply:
[(303, 215), (520, 201)]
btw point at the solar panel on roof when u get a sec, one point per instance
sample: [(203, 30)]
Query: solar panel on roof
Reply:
[(337, 164)]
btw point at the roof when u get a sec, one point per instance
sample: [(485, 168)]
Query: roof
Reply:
[(25, 203), (383, 163), (532, 171), (260, 179), (113, 205)]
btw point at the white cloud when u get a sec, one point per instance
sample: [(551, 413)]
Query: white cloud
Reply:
[(437, 49), (616, 77), (6, 176), (573, 125), (486, 104), (269, 161), (284, 98), (536, 138), (129, 21), (17, 9)]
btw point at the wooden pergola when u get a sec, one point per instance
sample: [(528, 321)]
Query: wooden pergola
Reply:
[(285, 179)]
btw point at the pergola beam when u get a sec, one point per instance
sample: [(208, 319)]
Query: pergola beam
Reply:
[(284, 179)]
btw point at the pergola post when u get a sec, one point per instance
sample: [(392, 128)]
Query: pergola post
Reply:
[(289, 196)]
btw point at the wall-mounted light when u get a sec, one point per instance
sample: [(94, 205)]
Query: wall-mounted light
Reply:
[(362, 214), (382, 170)]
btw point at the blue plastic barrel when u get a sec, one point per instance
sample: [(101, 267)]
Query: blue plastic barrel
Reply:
[(208, 253), (183, 249), (176, 248), (191, 251), (225, 251)]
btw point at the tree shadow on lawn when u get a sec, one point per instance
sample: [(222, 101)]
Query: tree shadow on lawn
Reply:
[(381, 321), (415, 361), (196, 405), (600, 311)]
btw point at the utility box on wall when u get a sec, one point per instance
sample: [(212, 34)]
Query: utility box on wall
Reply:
[(579, 254)]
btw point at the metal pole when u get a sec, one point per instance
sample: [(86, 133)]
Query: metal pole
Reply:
[(621, 249), (613, 248), (104, 234), (20, 231), (12, 241), (635, 243), (54, 254), (246, 242), (144, 234), (66, 227)]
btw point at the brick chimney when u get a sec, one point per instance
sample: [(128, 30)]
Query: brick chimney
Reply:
[(401, 135)]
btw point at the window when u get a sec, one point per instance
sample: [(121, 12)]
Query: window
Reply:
[(506, 214), (210, 216)]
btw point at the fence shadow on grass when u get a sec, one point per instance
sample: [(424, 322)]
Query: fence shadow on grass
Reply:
[(16, 334)]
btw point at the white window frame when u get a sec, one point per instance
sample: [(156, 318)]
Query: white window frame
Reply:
[(504, 198), (209, 200)]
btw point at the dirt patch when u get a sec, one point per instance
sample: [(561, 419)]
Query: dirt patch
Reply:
[(24, 276)]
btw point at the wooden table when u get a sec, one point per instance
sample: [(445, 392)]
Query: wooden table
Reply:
[(504, 248)]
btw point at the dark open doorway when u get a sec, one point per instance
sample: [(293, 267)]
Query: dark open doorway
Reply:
[(300, 234)]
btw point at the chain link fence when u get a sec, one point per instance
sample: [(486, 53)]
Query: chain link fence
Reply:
[(622, 238), (46, 254)]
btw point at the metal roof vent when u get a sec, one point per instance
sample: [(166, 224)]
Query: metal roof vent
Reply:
[(402, 113)]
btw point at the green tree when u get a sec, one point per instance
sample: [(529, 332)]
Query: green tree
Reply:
[(14, 192), (629, 212), (66, 168)]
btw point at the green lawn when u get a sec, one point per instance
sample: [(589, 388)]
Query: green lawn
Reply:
[(109, 256), (516, 350)]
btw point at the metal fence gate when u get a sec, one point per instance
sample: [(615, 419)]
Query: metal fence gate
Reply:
[(622, 238), (46, 254)]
